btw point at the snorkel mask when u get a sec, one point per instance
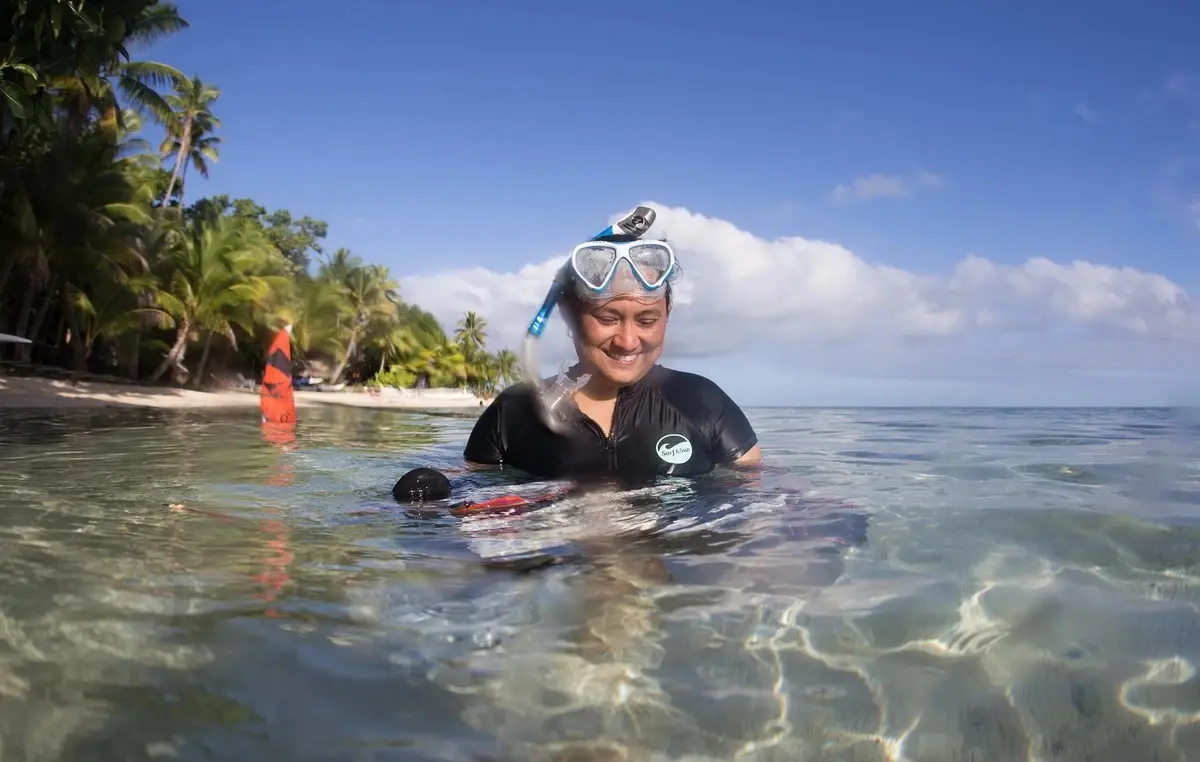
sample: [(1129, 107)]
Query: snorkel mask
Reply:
[(599, 274), (595, 271)]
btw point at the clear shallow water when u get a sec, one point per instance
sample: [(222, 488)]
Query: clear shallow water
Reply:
[(1027, 590)]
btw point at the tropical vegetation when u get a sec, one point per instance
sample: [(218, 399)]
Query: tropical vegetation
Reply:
[(110, 266)]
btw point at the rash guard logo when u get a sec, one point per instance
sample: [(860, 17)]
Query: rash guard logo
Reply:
[(674, 448)]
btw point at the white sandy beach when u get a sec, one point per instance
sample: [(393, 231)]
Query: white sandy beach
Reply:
[(18, 392)]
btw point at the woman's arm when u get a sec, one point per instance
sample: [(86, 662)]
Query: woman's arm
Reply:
[(485, 446), (750, 458), (734, 440)]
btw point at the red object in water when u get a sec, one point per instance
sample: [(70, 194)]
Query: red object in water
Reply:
[(275, 397), (508, 501)]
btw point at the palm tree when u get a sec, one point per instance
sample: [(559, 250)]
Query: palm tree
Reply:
[(471, 335), (424, 326), (369, 293), (72, 51), (211, 282), (112, 310), (440, 366), (315, 315), (155, 243), (507, 366), (99, 65), (75, 217), (189, 130), (451, 366), (338, 266), (393, 342)]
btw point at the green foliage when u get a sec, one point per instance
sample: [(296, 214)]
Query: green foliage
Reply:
[(397, 376), (71, 58), (297, 239), (107, 269)]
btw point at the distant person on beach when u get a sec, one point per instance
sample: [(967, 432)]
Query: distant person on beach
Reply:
[(627, 416)]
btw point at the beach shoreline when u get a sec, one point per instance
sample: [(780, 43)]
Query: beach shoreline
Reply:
[(19, 393)]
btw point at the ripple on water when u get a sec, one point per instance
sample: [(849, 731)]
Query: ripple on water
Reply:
[(1060, 472), (1019, 592)]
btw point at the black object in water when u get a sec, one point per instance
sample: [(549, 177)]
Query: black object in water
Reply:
[(420, 485)]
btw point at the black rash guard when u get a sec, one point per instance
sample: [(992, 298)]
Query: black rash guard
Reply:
[(668, 423)]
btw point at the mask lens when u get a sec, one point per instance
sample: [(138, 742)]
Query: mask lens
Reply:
[(593, 264), (653, 261)]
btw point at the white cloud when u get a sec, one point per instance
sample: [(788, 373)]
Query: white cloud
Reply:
[(1178, 181), (1193, 210), (818, 306), (886, 186), (1085, 112), (1181, 86)]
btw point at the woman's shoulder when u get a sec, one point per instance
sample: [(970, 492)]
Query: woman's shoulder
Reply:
[(512, 394), (516, 389), (708, 407), (695, 389), (681, 379), (516, 399)]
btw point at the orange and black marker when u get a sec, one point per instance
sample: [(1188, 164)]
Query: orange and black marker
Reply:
[(275, 397), (277, 402)]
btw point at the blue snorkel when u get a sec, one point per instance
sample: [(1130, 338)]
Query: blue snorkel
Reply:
[(561, 282), (552, 395)]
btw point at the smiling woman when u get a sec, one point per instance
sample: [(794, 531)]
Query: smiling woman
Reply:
[(629, 417)]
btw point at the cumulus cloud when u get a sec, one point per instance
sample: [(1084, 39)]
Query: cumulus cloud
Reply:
[(886, 186), (829, 309)]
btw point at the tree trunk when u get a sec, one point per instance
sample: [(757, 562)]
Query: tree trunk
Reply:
[(39, 320), (176, 353), (143, 300), (135, 352), (203, 361), (183, 179), (23, 322), (108, 121), (184, 149), (60, 330), (78, 347), (6, 268), (351, 348)]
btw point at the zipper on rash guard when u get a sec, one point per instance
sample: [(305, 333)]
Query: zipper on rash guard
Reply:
[(609, 440)]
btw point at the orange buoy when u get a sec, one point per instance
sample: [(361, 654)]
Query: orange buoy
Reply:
[(275, 397)]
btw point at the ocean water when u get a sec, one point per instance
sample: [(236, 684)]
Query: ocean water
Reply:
[(901, 584)]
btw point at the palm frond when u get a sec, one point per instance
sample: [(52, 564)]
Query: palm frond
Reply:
[(156, 22)]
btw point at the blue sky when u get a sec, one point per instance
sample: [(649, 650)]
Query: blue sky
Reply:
[(434, 137)]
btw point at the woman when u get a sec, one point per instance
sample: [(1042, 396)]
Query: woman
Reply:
[(626, 416)]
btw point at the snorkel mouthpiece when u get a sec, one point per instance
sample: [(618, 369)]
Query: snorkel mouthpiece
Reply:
[(549, 397), (554, 397)]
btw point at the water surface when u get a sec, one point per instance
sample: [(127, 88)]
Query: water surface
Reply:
[(178, 586)]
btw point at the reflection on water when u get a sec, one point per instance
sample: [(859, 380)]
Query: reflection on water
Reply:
[(921, 585)]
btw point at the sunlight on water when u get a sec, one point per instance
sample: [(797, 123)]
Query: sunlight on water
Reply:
[(909, 585)]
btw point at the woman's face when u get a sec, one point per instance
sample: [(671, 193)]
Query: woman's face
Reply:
[(622, 338)]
